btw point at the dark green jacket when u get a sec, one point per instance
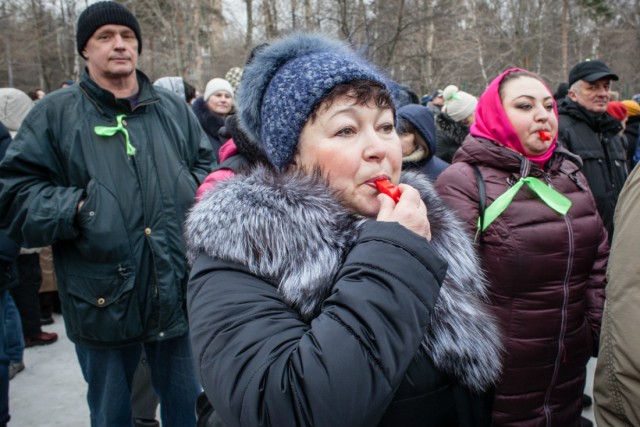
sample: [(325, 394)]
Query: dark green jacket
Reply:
[(120, 261)]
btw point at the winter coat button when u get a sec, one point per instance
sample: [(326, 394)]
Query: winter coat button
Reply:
[(147, 231), (92, 213), (101, 301)]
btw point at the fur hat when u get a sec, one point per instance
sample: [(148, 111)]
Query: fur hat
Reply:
[(458, 104), (286, 80), (216, 85), (105, 13)]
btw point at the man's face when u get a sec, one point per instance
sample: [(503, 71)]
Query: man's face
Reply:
[(594, 96), (112, 52), (438, 100)]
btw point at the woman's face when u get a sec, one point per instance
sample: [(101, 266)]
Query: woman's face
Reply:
[(354, 146), (409, 145), (529, 107), (220, 102)]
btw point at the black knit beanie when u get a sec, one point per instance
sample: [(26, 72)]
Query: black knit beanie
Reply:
[(104, 13)]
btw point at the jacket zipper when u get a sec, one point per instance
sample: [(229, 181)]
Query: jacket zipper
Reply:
[(561, 356)]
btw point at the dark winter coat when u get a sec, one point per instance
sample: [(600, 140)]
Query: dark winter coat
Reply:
[(210, 122), (631, 132), (449, 136), (303, 314), (9, 249), (546, 275), (594, 137), (120, 261)]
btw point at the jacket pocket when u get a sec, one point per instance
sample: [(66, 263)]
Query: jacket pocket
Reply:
[(104, 304), (103, 232)]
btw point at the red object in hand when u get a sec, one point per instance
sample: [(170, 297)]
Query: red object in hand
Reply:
[(545, 135), (386, 187)]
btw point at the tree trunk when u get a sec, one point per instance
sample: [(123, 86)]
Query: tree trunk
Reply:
[(248, 41), (565, 37)]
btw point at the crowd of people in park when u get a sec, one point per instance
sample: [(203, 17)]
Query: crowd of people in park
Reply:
[(306, 242)]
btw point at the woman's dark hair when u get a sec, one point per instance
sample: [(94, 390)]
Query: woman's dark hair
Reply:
[(189, 91), (361, 91), (561, 91)]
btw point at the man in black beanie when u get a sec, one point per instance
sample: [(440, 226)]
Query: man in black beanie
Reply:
[(105, 171)]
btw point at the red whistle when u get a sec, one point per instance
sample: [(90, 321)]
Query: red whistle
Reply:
[(386, 187), (545, 135)]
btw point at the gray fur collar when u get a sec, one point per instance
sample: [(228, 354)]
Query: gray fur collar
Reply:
[(289, 229)]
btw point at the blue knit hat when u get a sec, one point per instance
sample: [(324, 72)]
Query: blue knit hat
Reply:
[(285, 82)]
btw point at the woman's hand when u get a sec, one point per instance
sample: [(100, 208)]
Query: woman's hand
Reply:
[(410, 211)]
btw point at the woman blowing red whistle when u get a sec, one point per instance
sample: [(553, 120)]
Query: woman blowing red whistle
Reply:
[(544, 249), (332, 305)]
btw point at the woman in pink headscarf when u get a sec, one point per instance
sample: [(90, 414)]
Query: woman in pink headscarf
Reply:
[(543, 246)]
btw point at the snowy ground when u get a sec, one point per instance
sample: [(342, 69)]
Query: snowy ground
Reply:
[(50, 392)]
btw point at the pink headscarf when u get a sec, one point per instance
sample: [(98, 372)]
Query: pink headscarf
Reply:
[(492, 122)]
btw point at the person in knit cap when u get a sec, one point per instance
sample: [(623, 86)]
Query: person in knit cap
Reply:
[(452, 124), (315, 299), (418, 135), (618, 111), (543, 244), (233, 76), (105, 172), (212, 108), (631, 130)]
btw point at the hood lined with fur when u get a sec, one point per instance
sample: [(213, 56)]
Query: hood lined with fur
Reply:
[(291, 230)]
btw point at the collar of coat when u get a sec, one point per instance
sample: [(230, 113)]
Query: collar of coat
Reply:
[(599, 123), (289, 229), (106, 102), (211, 122)]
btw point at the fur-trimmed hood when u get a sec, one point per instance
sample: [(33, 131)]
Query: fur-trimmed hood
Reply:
[(291, 230)]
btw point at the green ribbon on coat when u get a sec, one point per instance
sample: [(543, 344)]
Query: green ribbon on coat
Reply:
[(548, 195), (110, 131)]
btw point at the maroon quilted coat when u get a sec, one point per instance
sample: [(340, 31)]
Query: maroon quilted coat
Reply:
[(547, 279)]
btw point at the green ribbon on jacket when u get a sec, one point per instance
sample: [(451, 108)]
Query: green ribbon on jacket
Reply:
[(110, 131), (551, 197)]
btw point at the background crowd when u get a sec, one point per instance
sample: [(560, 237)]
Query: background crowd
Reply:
[(254, 305)]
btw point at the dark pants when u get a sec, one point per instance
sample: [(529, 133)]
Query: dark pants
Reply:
[(26, 295), (4, 368), (109, 374)]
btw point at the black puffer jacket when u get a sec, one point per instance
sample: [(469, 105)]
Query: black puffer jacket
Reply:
[(211, 124), (304, 314), (594, 137)]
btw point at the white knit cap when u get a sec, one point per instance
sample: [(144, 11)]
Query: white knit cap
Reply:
[(458, 104), (216, 85)]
